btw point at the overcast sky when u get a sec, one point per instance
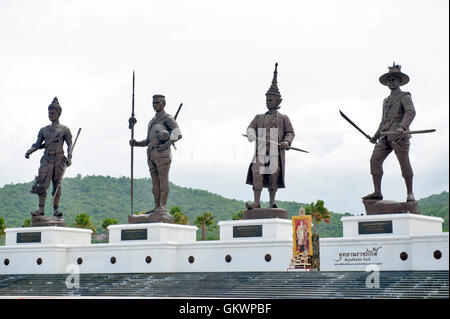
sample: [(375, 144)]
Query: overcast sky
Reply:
[(217, 58)]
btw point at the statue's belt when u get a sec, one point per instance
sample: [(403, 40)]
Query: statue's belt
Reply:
[(53, 153)]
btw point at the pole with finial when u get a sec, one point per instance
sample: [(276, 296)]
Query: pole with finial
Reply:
[(132, 120)]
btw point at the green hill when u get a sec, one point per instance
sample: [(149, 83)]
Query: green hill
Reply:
[(436, 205), (102, 197)]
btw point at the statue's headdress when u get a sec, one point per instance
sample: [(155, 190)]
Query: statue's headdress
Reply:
[(394, 70), (273, 90), (55, 105)]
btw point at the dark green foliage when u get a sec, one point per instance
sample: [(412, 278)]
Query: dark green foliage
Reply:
[(2, 226), (178, 216), (436, 205), (205, 223), (83, 220), (27, 222), (239, 215), (107, 197), (108, 221)]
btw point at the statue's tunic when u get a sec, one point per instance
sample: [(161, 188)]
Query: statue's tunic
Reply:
[(282, 125), (398, 111), (53, 162), (158, 161)]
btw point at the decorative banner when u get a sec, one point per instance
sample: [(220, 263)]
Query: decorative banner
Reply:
[(302, 235)]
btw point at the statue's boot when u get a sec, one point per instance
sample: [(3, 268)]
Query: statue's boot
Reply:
[(256, 200), (272, 199), (156, 196), (409, 188), (374, 196), (39, 212), (152, 210), (57, 212), (377, 188), (252, 205)]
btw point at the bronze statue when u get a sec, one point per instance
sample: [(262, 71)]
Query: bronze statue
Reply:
[(273, 134), (162, 132), (398, 113), (54, 162)]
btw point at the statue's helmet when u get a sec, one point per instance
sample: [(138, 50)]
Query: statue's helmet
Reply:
[(159, 134), (163, 136)]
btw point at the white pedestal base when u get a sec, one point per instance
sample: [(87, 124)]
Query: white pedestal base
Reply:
[(48, 235), (244, 245), (152, 232), (389, 242), (402, 225), (248, 229)]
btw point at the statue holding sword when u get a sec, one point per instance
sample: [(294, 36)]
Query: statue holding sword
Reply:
[(273, 134), (393, 132), (53, 162)]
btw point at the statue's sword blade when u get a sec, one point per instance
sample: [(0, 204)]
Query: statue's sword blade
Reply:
[(354, 125)]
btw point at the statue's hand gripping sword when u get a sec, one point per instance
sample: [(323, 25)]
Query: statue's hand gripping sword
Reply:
[(385, 132), (277, 144)]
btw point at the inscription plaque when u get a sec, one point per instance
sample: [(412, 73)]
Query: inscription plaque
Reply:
[(133, 234), (375, 227), (247, 231), (23, 238)]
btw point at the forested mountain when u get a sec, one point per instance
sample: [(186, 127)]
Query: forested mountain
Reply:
[(101, 197)]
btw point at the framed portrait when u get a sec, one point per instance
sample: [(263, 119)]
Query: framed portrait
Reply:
[(302, 235)]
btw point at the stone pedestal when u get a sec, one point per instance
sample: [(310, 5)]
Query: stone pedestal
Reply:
[(390, 225), (152, 232), (49, 235), (387, 242), (261, 213), (267, 228), (40, 221), (375, 207), (155, 217)]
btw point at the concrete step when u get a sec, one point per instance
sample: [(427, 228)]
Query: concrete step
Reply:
[(406, 285)]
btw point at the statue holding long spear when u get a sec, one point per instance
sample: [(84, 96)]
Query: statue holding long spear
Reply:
[(162, 132)]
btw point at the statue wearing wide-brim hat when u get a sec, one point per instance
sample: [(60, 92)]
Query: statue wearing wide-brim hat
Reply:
[(398, 114), (394, 71)]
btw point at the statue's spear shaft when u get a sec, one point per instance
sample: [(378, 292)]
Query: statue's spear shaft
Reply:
[(131, 123)]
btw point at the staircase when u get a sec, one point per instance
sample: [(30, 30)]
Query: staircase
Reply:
[(298, 285)]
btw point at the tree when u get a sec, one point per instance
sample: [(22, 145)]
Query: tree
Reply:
[(2, 227), (205, 222), (239, 215), (108, 221), (83, 220), (319, 213), (27, 222), (178, 216)]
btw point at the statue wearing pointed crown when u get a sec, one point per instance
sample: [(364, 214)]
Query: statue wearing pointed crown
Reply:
[(273, 134), (51, 138)]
